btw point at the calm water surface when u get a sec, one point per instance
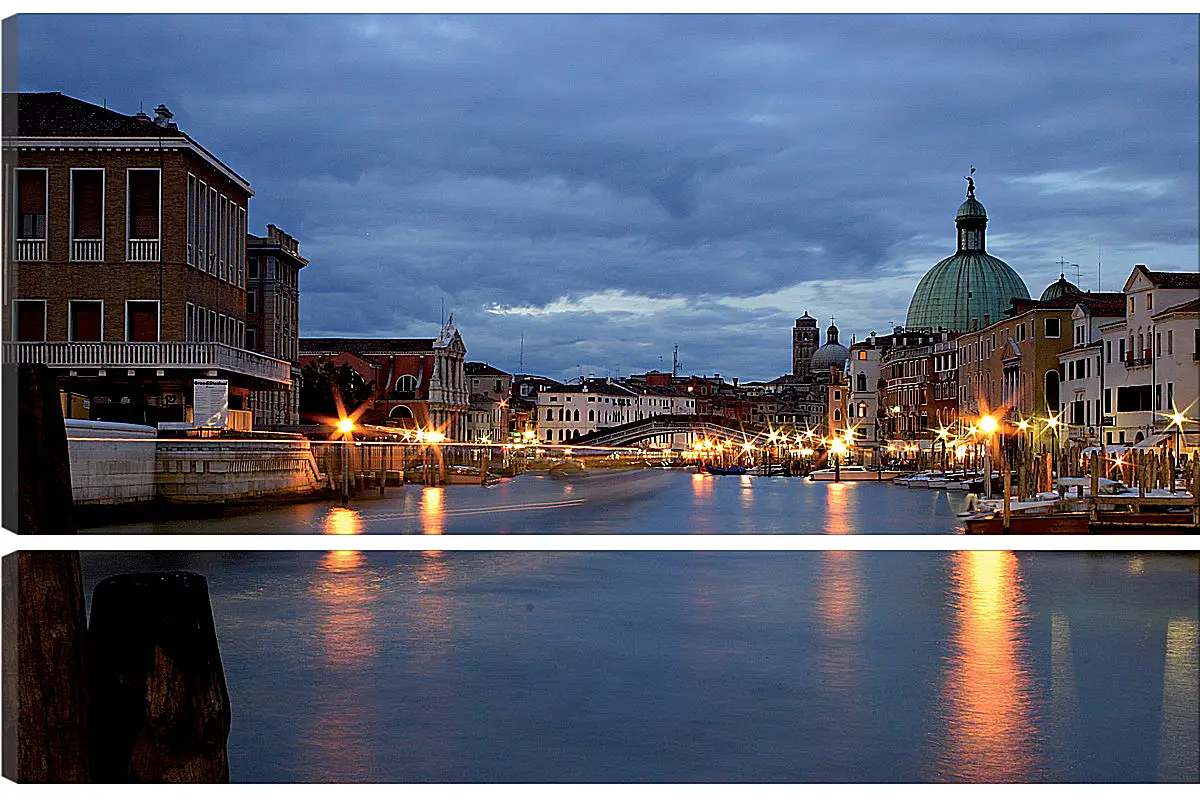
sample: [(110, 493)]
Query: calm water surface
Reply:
[(711, 667), (645, 501)]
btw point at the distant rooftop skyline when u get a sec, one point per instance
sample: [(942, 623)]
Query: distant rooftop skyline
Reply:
[(609, 186)]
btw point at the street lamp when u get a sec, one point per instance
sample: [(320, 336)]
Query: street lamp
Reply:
[(345, 427), (837, 450), (987, 426)]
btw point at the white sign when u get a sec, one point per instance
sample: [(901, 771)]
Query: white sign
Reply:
[(210, 403)]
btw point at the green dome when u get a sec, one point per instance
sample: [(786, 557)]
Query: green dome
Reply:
[(966, 286), (971, 208), (1059, 288)]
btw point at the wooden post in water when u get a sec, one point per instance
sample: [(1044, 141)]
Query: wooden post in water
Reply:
[(45, 683), (160, 709), (484, 457), (45, 688), (1007, 495)]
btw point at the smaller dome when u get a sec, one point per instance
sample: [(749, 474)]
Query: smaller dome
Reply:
[(971, 208), (1059, 288)]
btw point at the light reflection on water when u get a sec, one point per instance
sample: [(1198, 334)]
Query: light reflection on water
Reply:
[(659, 501), (679, 667), (990, 735)]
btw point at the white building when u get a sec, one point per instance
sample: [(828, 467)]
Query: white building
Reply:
[(862, 381), (1150, 357), (574, 410), (1082, 367)]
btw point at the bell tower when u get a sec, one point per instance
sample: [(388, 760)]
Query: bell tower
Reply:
[(804, 343)]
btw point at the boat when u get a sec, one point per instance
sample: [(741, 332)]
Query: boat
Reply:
[(567, 468), (454, 475), (853, 473), (1082, 523), (713, 469)]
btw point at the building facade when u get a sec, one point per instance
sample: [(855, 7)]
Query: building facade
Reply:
[(127, 258), (1150, 356), (418, 383), (273, 264)]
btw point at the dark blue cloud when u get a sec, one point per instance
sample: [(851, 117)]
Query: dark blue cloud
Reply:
[(738, 169)]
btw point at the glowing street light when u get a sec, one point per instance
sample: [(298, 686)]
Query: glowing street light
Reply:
[(345, 426)]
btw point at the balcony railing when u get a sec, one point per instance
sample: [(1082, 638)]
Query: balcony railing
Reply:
[(143, 250), (31, 250), (87, 249), (150, 355), (1131, 362)]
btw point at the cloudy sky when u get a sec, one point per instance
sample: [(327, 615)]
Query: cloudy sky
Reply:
[(609, 186)]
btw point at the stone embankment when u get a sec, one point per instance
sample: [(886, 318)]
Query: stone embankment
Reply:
[(115, 464)]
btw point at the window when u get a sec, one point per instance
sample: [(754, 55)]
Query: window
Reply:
[(1108, 401), (837, 414), (212, 326), (1157, 344), (1121, 354), (1171, 396), (189, 319), (191, 219), (1170, 342), (31, 204), (591, 413), (1052, 328), (30, 321), (141, 320), (576, 416), (1131, 308), (143, 204), (1149, 300), (252, 301), (251, 339), (862, 355), (1108, 352), (549, 414), (202, 225), (1158, 397), (85, 320), (1133, 398), (252, 268), (270, 268), (87, 214)]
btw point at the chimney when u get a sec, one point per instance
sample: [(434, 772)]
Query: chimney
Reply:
[(142, 117), (162, 116)]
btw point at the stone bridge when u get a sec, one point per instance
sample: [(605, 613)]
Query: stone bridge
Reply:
[(698, 426)]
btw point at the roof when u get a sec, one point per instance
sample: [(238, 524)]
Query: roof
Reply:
[(1190, 307), (54, 114), (481, 368), (1172, 280), (971, 208), (334, 345), (1103, 304)]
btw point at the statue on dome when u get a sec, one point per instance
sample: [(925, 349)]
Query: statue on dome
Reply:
[(971, 183)]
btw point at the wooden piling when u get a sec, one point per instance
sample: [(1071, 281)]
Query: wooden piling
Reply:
[(46, 693), (160, 708), (43, 468)]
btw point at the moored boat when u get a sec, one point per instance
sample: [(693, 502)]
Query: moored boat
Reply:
[(852, 473), (713, 469)]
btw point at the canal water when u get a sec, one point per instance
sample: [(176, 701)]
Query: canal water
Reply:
[(704, 666), (641, 501)]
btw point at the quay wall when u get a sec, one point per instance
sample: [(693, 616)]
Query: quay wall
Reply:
[(231, 471), (115, 464), (111, 462)]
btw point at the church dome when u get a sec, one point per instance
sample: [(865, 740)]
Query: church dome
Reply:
[(830, 354), (1059, 288), (961, 292)]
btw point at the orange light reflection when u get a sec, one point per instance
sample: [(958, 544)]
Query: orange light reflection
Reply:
[(433, 518), (990, 732)]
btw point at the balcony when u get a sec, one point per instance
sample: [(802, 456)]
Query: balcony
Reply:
[(1144, 361), (30, 250), (143, 250), (87, 249), (150, 355)]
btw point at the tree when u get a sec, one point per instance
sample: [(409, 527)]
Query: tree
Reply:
[(322, 383)]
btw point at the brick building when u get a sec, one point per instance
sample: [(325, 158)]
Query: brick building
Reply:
[(419, 383), (273, 264), (126, 246)]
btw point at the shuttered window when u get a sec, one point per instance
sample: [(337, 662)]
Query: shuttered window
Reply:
[(31, 320), (31, 204), (86, 320), (141, 321), (87, 198), (143, 204)]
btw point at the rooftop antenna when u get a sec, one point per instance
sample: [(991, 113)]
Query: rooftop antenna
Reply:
[(443, 310), (522, 361), (1097, 268), (675, 365)]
